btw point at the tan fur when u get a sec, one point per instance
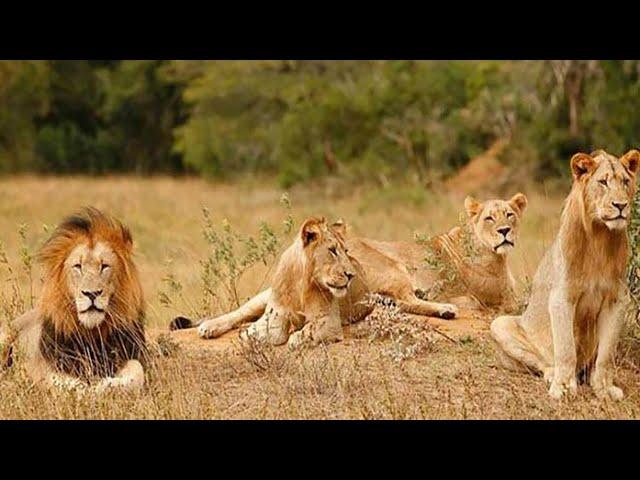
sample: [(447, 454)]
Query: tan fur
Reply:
[(481, 273), (574, 316), (83, 240), (315, 284), (300, 298)]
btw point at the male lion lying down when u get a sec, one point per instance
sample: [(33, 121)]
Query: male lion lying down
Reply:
[(575, 312), (88, 323), (318, 285)]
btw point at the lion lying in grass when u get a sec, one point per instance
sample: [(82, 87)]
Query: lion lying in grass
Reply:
[(467, 265), (475, 253), (88, 323), (575, 313), (317, 287)]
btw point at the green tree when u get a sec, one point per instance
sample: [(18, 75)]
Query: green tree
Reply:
[(141, 107), (304, 119), (110, 116), (23, 96)]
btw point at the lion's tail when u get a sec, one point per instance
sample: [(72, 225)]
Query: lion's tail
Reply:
[(181, 323)]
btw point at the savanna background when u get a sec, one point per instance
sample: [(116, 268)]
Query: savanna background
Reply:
[(213, 165)]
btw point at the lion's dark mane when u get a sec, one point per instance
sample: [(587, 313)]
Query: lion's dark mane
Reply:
[(92, 353)]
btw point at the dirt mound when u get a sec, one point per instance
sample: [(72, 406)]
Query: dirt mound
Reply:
[(481, 172), (190, 340)]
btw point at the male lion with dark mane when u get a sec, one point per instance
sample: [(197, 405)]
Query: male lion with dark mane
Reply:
[(88, 323), (317, 287), (575, 313)]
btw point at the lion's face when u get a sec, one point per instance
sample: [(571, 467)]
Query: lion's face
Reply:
[(90, 276), (608, 185), (327, 262), (495, 222), (89, 273)]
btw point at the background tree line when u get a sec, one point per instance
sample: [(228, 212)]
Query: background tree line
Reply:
[(305, 119)]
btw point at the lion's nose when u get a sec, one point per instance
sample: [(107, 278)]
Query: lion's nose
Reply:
[(620, 205), (504, 231), (349, 275), (92, 295)]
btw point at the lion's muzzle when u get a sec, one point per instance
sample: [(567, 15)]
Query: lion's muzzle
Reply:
[(91, 306)]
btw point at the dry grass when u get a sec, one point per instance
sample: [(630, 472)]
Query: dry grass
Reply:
[(355, 379)]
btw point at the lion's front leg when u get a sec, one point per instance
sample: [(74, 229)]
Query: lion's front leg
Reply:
[(271, 327), (129, 377), (41, 372), (10, 333), (249, 311), (610, 324), (53, 379), (413, 305), (561, 312), (323, 326), (66, 382)]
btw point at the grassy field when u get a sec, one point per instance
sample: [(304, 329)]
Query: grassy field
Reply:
[(219, 379)]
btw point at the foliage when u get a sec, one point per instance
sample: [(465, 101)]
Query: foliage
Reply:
[(299, 120), (23, 97), (230, 256), (88, 116), (305, 119)]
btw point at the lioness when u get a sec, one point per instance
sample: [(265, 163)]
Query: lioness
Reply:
[(88, 323), (574, 315), (317, 286), (471, 257)]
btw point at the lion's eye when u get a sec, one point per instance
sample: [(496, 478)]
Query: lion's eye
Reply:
[(489, 219), (626, 182), (510, 215), (77, 266), (603, 182), (333, 251), (104, 266)]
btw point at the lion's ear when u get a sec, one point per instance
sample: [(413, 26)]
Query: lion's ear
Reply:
[(631, 161), (518, 202), (581, 164), (340, 227), (472, 206), (311, 230)]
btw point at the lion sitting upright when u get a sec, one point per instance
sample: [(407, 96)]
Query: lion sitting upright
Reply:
[(317, 287), (88, 323), (575, 312)]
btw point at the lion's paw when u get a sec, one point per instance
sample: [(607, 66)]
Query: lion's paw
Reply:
[(69, 383), (209, 329), (609, 393), (296, 340), (251, 332), (107, 384), (559, 389)]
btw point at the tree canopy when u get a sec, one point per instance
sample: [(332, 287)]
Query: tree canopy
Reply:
[(306, 119)]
